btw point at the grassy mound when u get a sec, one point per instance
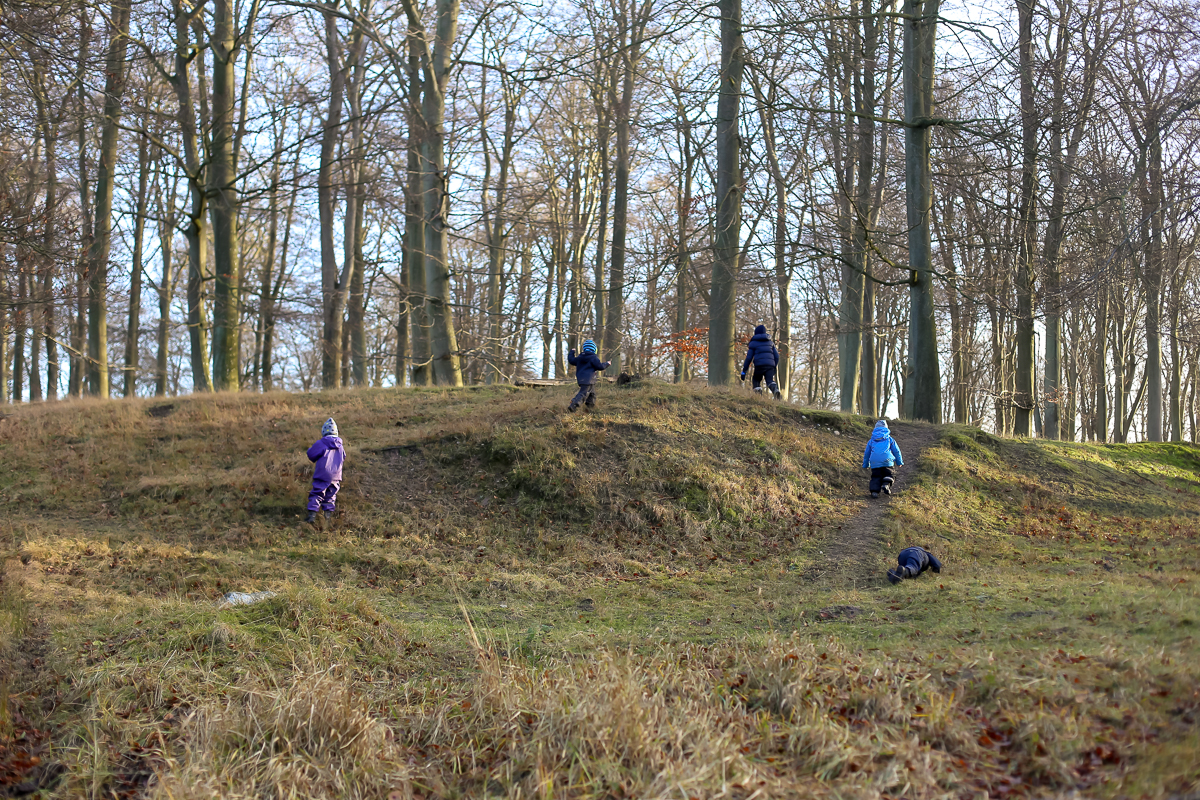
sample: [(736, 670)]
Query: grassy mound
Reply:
[(514, 601)]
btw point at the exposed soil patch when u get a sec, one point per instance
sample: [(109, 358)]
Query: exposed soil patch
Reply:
[(839, 612), (849, 555)]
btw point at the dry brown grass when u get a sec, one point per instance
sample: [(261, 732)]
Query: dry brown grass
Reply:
[(312, 738), (788, 719)]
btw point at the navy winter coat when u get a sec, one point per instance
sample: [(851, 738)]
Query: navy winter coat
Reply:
[(586, 366), (761, 351), (917, 560), (882, 450)]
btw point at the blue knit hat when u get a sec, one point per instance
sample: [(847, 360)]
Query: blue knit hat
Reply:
[(329, 428), (589, 346)]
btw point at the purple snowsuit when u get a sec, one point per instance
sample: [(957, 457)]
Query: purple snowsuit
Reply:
[(327, 456)]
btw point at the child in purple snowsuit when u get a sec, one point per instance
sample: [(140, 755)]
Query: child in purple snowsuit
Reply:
[(327, 456)]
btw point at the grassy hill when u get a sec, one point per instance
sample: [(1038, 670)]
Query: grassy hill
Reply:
[(633, 602)]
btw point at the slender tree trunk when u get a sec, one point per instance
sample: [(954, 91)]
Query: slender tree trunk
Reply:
[(1100, 368), (614, 323), (166, 289), (97, 259), (135, 270), (331, 334), (3, 351), (1153, 278), (222, 188), (50, 243), (923, 390), (604, 76), (435, 196), (414, 231), (1023, 399), (722, 310), (357, 311), (194, 233), (683, 211), (19, 327), (494, 224)]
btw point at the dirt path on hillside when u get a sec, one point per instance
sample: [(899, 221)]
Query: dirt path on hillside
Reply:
[(851, 556)]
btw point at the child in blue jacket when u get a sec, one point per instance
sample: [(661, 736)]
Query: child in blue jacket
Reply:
[(761, 352), (587, 365), (881, 455), (912, 562)]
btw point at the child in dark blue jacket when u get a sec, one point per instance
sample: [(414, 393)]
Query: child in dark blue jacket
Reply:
[(882, 454), (762, 352), (913, 561), (587, 365)]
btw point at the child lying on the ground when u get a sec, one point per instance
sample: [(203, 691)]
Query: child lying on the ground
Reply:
[(327, 454), (913, 561), (882, 454)]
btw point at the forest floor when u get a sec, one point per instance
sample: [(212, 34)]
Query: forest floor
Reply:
[(680, 594)]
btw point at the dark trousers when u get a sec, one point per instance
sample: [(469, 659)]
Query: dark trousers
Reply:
[(323, 495), (767, 374), (586, 394), (910, 564), (880, 476)]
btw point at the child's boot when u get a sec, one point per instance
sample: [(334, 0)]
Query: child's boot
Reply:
[(895, 575), (573, 407), (887, 486), (329, 513), (311, 519)]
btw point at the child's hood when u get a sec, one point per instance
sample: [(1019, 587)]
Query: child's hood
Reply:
[(332, 442), (881, 431)]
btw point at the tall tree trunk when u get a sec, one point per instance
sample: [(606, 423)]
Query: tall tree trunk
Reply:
[(268, 347), (923, 389), (494, 225), (1024, 400), (222, 188), (135, 270), (722, 309), (19, 328), (97, 258), (603, 90), (356, 310), (166, 288), (414, 225), (194, 233), (78, 326), (1152, 280), (49, 244), (633, 25), (435, 195), (331, 334), (1100, 368), (683, 212)]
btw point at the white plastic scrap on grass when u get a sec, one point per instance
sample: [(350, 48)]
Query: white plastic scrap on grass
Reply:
[(245, 598)]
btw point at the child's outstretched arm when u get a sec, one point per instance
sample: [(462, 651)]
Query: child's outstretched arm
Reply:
[(866, 455), (934, 564), (317, 450), (896, 452)]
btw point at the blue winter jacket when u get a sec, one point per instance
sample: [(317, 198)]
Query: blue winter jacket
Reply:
[(919, 559), (586, 366), (761, 351), (882, 450)]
